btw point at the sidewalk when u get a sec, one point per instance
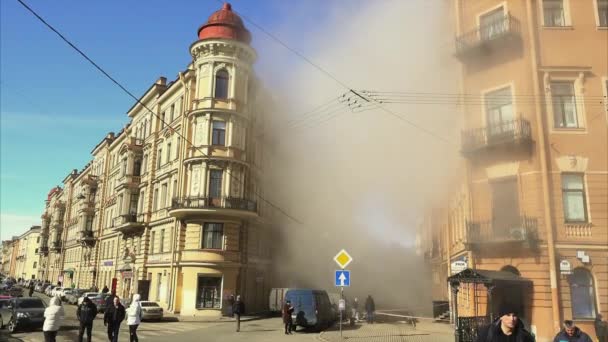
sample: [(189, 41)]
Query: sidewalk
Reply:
[(390, 332), (176, 317)]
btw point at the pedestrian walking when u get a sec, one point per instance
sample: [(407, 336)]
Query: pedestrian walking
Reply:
[(86, 313), (31, 289), (287, 320), (370, 308), (601, 329), (238, 309), (105, 289), (53, 316), (356, 309), (231, 306), (134, 315), (571, 333), (506, 328), (112, 318)]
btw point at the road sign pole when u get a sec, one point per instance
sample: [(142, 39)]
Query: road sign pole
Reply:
[(341, 297)]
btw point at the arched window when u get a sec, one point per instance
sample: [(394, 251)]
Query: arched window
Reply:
[(221, 84), (511, 269), (582, 294)]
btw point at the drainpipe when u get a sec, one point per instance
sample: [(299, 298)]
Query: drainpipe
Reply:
[(543, 164)]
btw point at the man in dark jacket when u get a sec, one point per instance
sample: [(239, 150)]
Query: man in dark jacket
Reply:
[(31, 289), (571, 333), (370, 307), (86, 313), (287, 320), (238, 309), (105, 289), (112, 318), (506, 328)]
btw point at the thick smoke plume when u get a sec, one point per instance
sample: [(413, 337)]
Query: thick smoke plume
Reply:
[(360, 181)]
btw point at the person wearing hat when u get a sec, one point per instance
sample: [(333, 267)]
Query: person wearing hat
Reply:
[(601, 328), (506, 328), (571, 333), (287, 320)]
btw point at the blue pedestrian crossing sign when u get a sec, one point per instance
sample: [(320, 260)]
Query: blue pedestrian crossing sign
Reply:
[(342, 278)]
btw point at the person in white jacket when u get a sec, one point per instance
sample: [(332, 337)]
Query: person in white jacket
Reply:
[(134, 314), (53, 316)]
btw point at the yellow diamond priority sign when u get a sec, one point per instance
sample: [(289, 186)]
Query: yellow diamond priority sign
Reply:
[(343, 259)]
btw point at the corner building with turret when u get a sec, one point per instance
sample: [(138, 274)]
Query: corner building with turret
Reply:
[(169, 207)]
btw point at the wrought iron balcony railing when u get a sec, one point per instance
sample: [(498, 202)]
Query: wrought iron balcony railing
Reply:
[(506, 132), (518, 229), (484, 35), (214, 202)]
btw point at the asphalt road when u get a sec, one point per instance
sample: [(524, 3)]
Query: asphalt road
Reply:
[(267, 330)]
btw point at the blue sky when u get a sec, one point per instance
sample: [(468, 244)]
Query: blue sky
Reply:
[(55, 107)]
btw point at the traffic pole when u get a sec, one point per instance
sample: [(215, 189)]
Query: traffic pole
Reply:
[(342, 298)]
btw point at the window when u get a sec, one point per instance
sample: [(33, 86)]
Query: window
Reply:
[(162, 120), (38, 239), (209, 292), (160, 156), (213, 235), (602, 13), (215, 184), (140, 207), (573, 196), (163, 195), (175, 192), (177, 148), (152, 238), (181, 104), (168, 152), (564, 105), (123, 170), (137, 168), (582, 294), (171, 112), (155, 200), (219, 133), (492, 24), (553, 11), (221, 84), (161, 246), (499, 111), (145, 164), (35, 264)]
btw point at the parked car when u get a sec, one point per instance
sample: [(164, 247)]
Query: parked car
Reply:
[(91, 295), (64, 294), (73, 297), (312, 308), (22, 313), (151, 311), (100, 301), (49, 289), (55, 291)]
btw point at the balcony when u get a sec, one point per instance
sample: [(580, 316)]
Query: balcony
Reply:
[(87, 206), (86, 238), (497, 35), (56, 246), (129, 181), (129, 224), (194, 206), (520, 231), (44, 250), (91, 181), (507, 134)]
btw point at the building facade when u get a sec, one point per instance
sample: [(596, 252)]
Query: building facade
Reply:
[(9, 256), (27, 260), (531, 196), (168, 207)]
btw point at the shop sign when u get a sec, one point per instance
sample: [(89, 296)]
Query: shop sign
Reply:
[(459, 264), (127, 274), (108, 263), (565, 267)]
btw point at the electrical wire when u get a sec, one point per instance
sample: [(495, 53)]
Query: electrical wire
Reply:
[(281, 210)]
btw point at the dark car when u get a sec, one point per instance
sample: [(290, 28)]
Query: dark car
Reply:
[(22, 313), (100, 302), (312, 308)]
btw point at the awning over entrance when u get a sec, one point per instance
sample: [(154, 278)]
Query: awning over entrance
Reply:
[(124, 267), (486, 277)]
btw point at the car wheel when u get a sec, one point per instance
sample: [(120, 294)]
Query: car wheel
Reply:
[(12, 327)]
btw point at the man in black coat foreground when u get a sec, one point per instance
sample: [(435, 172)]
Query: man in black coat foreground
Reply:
[(571, 333), (86, 313), (506, 328), (112, 318)]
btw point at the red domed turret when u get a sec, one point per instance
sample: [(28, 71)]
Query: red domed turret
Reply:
[(225, 24)]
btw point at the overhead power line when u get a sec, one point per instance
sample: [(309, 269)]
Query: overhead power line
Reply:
[(124, 89)]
